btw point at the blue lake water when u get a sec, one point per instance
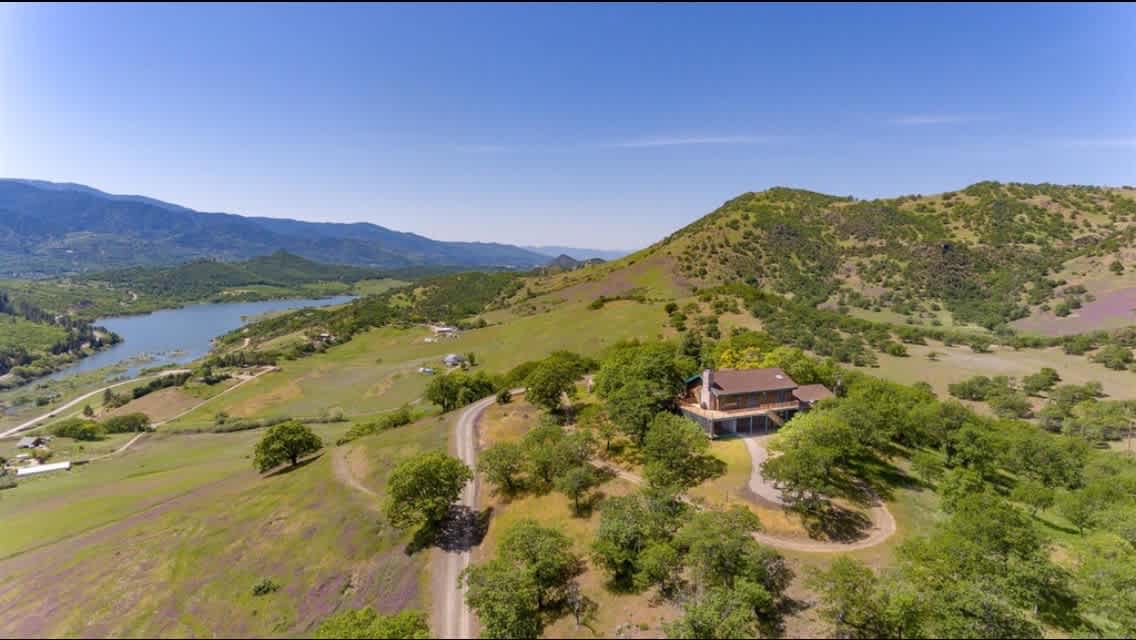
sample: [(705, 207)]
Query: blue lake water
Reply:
[(178, 336)]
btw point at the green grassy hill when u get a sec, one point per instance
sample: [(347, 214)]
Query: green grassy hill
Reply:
[(986, 255)]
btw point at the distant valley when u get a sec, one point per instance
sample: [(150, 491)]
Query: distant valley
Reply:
[(578, 253)]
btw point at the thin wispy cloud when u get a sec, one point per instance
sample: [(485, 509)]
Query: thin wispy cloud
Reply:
[(678, 141), (931, 119), (1119, 142), (649, 142)]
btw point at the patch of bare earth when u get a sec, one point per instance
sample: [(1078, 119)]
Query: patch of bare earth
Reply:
[(1110, 310), (160, 405)]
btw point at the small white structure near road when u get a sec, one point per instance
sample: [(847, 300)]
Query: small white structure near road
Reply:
[(31, 442), (453, 360), (444, 330), (43, 468), (426, 370)]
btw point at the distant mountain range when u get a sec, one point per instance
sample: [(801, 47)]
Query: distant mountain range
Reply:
[(49, 228), (578, 253)]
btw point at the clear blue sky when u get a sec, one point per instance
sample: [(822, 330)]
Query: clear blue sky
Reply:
[(585, 125)]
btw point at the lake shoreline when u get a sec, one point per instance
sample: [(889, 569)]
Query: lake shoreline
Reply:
[(193, 328)]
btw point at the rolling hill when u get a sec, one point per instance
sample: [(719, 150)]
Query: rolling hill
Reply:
[(52, 228), (1023, 266), (202, 278), (986, 256)]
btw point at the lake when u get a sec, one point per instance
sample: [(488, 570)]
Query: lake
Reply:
[(178, 336)]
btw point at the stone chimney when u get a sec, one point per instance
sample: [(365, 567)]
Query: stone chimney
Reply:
[(707, 383)]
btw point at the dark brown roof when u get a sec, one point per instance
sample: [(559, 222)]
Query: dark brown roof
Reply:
[(812, 393), (731, 381)]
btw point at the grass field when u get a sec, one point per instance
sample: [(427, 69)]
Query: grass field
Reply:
[(190, 514), (958, 363), (33, 336), (730, 488), (377, 371)]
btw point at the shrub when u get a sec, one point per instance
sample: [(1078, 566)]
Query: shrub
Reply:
[(265, 587), (78, 429), (126, 423)]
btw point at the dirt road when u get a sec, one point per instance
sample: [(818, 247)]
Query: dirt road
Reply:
[(883, 524), (451, 618), (54, 413)]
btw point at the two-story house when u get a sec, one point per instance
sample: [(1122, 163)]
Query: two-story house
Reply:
[(730, 401)]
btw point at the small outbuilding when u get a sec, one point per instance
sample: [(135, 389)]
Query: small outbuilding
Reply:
[(31, 442), (453, 360), (43, 468)]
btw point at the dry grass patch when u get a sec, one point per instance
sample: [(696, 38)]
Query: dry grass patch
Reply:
[(731, 489), (160, 405)]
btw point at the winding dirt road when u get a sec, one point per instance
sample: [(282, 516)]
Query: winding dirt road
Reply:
[(883, 524)]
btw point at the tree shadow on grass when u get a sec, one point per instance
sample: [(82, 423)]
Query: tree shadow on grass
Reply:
[(872, 476), (279, 471), (588, 505), (832, 522), (785, 607), (463, 529)]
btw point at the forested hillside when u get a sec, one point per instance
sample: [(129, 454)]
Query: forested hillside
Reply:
[(34, 341), (202, 278), (986, 254), (48, 228)]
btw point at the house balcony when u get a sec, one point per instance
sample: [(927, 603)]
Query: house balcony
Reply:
[(741, 412)]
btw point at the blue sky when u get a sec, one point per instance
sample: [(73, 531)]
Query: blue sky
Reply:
[(588, 125)]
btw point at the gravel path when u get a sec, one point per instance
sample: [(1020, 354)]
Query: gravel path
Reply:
[(761, 487), (341, 465)]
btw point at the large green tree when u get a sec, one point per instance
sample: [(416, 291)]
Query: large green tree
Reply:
[(723, 613), (543, 553), (505, 598), (552, 380), (503, 464), (422, 489), (720, 550), (637, 381), (285, 442), (576, 483), (854, 601), (675, 453)]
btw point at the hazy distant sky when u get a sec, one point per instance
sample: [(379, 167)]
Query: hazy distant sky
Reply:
[(602, 126)]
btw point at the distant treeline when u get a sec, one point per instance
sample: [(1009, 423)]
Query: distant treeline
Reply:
[(447, 298)]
